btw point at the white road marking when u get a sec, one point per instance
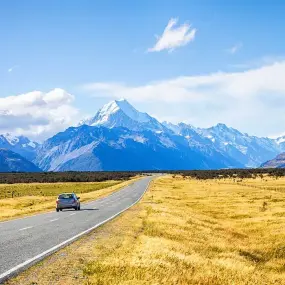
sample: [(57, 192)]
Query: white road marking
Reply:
[(86, 203), (40, 256), (27, 217), (72, 214), (54, 220), (25, 228)]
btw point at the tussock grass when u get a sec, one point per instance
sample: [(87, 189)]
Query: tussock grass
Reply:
[(40, 197), (51, 189), (184, 231)]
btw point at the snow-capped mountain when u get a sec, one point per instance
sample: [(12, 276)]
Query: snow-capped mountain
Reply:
[(281, 142), (119, 137), (120, 113), (190, 133), (250, 151), (11, 161), (19, 144), (100, 148)]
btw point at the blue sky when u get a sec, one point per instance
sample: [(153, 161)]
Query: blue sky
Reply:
[(100, 50)]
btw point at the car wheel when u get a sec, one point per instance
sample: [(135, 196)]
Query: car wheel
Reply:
[(78, 208), (57, 209)]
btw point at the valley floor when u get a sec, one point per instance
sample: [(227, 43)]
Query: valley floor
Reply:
[(40, 197), (184, 231)]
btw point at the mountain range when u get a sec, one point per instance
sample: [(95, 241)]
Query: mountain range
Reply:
[(277, 162), (19, 144), (11, 161), (119, 137)]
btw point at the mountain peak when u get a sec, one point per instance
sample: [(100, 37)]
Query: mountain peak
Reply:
[(129, 110), (221, 126), (113, 113), (11, 138)]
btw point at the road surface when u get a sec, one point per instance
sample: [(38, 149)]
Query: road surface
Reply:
[(25, 241)]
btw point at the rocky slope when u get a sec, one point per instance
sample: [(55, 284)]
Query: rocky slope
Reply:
[(11, 161), (277, 162)]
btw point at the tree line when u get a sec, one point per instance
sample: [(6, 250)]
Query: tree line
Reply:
[(231, 173), (70, 176), (99, 176)]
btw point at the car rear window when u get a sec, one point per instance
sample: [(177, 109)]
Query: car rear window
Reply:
[(65, 196)]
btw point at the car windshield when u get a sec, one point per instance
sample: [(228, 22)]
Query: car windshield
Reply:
[(65, 196)]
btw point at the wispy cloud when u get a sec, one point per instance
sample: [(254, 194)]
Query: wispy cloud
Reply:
[(256, 63), (174, 36), (252, 100), (235, 48), (11, 69)]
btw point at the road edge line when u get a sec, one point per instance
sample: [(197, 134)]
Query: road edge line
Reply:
[(28, 263), (52, 211)]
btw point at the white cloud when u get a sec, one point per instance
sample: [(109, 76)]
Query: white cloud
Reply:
[(252, 100), (12, 68), (259, 62), (235, 48), (174, 37), (37, 114)]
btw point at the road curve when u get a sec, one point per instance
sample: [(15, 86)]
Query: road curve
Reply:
[(25, 241)]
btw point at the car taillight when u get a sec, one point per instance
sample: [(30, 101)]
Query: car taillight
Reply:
[(57, 201)]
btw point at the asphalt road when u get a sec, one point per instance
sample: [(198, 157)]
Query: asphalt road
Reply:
[(25, 241)]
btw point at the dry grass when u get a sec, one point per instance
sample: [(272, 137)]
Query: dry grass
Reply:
[(182, 232), (40, 197), (50, 189)]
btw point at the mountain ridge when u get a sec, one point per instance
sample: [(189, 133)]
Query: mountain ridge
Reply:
[(12, 161), (277, 162), (19, 144), (120, 113), (118, 125), (100, 148)]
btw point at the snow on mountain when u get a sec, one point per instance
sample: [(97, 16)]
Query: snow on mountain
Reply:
[(175, 128), (19, 144), (11, 139), (119, 137), (280, 140), (251, 151), (120, 113), (104, 115), (100, 148), (189, 132), (180, 127)]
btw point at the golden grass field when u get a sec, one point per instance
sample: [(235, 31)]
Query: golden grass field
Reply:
[(183, 231), (40, 197)]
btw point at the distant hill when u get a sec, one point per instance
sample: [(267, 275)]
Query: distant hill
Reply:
[(11, 161), (277, 162)]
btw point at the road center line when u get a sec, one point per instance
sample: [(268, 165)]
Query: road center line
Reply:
[(25, 228), (9, 273), (54, 220)]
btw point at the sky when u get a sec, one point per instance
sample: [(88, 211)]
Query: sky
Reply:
[(198, 62)]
